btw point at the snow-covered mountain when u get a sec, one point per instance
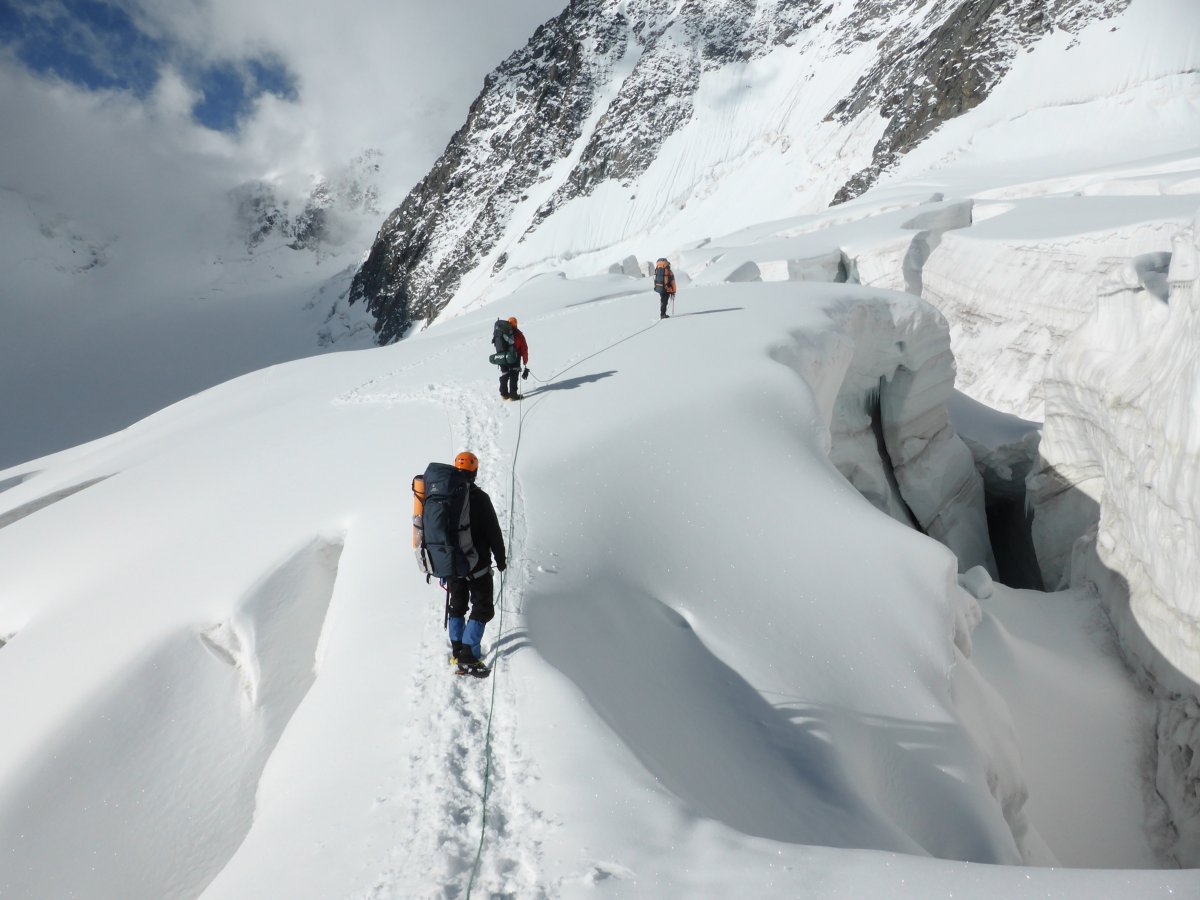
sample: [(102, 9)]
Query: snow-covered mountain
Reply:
[(754, 640), (320, 224), (628, 122)]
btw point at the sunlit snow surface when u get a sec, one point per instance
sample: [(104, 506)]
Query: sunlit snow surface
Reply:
[(714, 657)]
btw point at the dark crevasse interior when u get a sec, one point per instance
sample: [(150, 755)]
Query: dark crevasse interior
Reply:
[(1009, 527)]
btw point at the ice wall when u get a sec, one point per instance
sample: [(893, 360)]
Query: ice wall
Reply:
[(1019, 282), (1116, 498), (891, 435)]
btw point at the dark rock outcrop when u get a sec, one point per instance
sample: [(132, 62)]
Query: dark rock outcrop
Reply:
[(944, 64), (528, 117)]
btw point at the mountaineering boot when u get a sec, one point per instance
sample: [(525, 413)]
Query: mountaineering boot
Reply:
[(663, 316), (469, 665)]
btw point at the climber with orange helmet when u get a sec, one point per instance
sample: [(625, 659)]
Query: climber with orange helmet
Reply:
[(474, 591), (512, 351)]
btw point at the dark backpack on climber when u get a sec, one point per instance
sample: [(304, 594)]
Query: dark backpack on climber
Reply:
[(447, 549), (505, 343), (660, 274)]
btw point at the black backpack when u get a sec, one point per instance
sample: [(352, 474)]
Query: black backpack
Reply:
[(447, 549), (505, 343)]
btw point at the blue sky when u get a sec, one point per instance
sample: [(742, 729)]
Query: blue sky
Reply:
[(94, 44)]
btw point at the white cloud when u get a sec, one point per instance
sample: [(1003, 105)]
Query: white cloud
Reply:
[(397, 77)]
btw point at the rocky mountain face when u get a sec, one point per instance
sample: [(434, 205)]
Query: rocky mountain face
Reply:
[(590, 101)]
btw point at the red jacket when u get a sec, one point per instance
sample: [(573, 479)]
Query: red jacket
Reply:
[(521, 347)]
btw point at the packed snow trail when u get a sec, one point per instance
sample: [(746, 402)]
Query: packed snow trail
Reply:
[(501, 609), (469, 755), (459, 716), (510, 547)]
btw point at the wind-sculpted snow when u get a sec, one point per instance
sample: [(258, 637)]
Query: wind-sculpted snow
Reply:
[(1116, 498), (712, 655), (684, 616), (138, 779)]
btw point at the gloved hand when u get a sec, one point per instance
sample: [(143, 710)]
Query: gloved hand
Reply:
[(525, 374), (501, 565)]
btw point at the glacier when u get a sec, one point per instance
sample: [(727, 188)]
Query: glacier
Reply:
[(762, 631)]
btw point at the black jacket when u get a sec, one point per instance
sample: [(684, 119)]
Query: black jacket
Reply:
[(485, 530)]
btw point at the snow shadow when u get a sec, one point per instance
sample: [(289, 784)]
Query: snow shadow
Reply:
[(148, 788), (6, 483), (510, 642), (708, 312), (1065, 526), (28, 509), (1173, 818), (569, 384), (801, 773)]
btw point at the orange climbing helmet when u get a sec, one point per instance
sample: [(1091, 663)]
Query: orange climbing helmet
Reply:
[(467, 461), (512, 320)]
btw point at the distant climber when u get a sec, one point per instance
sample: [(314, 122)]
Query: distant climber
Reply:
[(512, 351), (664, 285), (458, 532)]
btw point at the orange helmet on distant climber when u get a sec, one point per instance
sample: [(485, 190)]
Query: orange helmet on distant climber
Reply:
[(512, 320), (467, 461)]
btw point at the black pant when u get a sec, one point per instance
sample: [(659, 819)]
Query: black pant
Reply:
[(663, 297), (508, 380), (477, 592)]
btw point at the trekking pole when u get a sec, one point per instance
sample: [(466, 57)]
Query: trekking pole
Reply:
[(672, 304), (446, 619)]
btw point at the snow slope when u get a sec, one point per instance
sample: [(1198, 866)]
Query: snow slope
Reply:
[(718, 668)]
